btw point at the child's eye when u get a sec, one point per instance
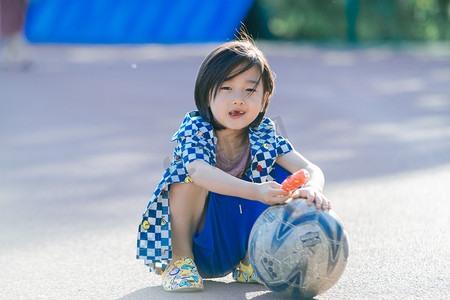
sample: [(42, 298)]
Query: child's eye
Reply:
[(251, 90), (225, 88)]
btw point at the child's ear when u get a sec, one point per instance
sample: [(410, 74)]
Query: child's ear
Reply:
[(265, 101)]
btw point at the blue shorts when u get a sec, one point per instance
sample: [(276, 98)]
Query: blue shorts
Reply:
[(223, 241)]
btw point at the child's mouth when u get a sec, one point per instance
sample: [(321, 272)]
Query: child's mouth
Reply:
[(236, 113)]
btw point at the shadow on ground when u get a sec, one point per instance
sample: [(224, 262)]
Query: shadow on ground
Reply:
[(212, 290)]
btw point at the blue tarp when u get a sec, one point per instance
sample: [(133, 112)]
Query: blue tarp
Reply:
[(134, 21)]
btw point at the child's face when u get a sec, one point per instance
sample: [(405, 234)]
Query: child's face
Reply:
[(239, 100)]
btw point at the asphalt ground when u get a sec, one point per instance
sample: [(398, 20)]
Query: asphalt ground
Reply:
[(84, 139)]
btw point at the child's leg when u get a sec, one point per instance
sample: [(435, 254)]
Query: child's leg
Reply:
[(246, 260), (222, 242), (279, 175), (187, 205)]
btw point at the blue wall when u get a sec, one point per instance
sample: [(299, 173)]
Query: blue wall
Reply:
[(134, 21)]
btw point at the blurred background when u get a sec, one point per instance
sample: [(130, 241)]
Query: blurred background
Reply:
[(344, 22), (341, 21), (181, 21)]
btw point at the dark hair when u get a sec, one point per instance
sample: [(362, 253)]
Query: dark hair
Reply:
[(217, 68)]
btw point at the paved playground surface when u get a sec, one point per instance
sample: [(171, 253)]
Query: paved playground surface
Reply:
[(84, 139)]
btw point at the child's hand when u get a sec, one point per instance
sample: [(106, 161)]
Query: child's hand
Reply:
[(311, 195), (271, 193)]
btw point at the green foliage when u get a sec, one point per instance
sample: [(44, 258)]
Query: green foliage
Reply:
[(352, 20)]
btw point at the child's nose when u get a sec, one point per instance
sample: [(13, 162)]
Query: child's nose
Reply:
[(238, 98)]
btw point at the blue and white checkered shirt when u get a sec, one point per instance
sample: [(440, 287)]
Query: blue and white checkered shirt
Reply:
[(196, 141)]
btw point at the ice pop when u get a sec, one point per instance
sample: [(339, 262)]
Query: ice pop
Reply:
[(295, 181)]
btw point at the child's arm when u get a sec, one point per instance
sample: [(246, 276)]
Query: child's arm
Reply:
[(215, 180), (312, 190)]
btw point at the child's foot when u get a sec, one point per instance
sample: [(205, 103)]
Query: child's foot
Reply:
[(245, 274), (182, 276)]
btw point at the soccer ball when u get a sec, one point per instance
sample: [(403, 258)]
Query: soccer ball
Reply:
[(298, 250)]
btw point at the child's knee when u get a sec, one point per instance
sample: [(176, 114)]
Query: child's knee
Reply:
[(188, 193), (189, 187)]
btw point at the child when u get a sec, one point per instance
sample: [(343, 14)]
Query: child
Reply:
[(13, 53), (227, 168)]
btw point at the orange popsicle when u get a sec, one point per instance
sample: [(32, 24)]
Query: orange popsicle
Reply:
[(295, 181)]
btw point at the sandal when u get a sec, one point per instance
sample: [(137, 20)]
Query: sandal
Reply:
[(182, 276), (245, 274)]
